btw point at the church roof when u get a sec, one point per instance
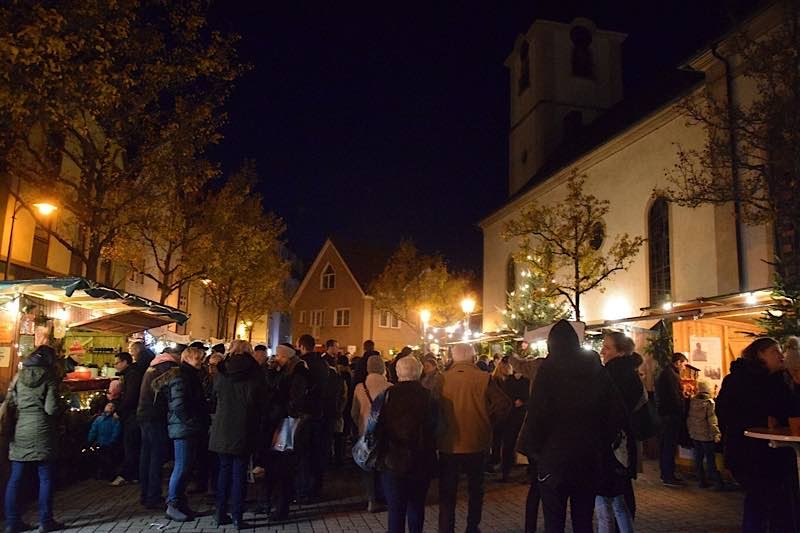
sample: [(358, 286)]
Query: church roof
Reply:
[(652, 98)]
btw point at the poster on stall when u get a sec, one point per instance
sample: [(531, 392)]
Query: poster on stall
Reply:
[(705, 353), (5, 356)]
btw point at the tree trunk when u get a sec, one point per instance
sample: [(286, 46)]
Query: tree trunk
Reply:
[(577, 266), (93, 263), (235, 321)]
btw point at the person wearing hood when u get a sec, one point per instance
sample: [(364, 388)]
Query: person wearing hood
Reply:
[(240, 389), (187, 422), (152, 418), (569, 432), (745, 401), (289, 400), (34, 394), (468, 401), (705, 434), (363, 396)]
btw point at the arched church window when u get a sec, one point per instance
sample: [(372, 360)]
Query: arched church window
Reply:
[(524, 66), (658, 252), (582, 64)]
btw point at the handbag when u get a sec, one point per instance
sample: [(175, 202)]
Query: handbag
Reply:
[(284, 439), (365, 450), (8, 413)]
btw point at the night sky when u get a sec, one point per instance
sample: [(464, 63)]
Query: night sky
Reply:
[(382, 121)]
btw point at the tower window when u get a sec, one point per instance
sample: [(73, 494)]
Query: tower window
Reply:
[(582, 64), (658, 252), (524, 67)]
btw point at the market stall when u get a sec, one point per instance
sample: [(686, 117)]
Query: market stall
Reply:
[(87, 322)]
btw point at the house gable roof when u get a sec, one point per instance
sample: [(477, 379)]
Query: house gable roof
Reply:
[(328, 245)]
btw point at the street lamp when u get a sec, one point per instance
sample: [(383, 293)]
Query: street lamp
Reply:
[(44, 209), (424, 317), (468, 306)]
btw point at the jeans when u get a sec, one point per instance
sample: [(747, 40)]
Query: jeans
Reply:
[(610, 509), (132, 442), (154, 450), (405, 498), (704, 450), (668, 445), (451, 465), (555, 495), (185, 450), (231, 484), (45, 470)]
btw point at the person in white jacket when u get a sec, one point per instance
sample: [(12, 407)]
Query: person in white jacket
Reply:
[(363, 396)]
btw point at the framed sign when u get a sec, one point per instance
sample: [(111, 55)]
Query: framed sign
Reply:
[(5, 356)]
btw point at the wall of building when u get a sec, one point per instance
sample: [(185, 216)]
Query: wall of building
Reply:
[(625, 171)]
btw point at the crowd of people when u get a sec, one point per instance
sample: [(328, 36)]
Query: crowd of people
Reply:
[(284, 421)]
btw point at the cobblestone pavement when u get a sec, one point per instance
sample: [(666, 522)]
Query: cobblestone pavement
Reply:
[(93, 506)]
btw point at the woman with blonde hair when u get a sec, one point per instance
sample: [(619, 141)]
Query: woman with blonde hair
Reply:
[(240, 389)]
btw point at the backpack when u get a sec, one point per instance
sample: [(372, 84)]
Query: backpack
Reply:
[(365, 450)]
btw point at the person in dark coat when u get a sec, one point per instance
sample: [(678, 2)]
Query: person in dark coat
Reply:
[(240, 389), (744, 402), (142, 355), (130, 375), (187, 423), (407, 425), (289, 400), (622, 364), (516, 387), (152, 419), (672, 409), (569, 431), (360, 363), (34, 395), (391, 368), (314, 462)]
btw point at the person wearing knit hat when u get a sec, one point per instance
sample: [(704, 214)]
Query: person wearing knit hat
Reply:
[(363, 396), (469, 402)]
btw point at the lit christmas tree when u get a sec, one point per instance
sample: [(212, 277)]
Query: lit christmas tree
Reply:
[(533, 304)]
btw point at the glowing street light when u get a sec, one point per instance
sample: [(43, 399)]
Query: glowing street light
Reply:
[(468, 306), (424, 317), (45, 208)]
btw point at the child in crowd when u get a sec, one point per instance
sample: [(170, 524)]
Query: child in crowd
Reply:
[(704, 431), (105, 435)]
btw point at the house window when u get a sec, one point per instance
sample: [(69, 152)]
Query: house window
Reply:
[(328, 280), (317, 317), (301, 319), (658, 252), (106, 273), (524, 67), (388, 319), (41, 246), (582, 64), (342, 318)]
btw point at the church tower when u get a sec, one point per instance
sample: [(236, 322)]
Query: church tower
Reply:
[(563, 76)]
